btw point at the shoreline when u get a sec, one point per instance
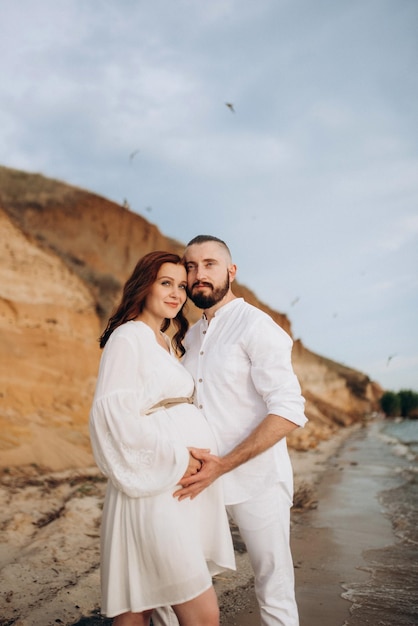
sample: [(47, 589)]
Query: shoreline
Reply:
[(49, 552), (238, 603), (356, 554)]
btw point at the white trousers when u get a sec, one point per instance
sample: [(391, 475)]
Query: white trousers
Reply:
[(264, 525)]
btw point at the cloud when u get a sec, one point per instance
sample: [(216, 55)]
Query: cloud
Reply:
[(332, 115), (399, 232), (312, 182)]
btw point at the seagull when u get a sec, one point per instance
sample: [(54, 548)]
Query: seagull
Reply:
[(295, 301), (131, 156), (230, 106), (390, 357)]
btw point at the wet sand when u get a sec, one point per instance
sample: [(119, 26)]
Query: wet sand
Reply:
[(349, 520), (343, 546)]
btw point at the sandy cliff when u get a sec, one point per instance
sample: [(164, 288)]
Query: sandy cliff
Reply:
[(64, 256)]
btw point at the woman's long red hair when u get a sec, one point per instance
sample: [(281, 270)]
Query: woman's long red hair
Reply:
[(135, 291)]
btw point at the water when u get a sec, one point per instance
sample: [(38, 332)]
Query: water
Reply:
[(356, 554), (404, 432), (389, 595)]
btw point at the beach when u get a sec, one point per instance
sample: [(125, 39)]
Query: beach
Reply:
[(354, 538), (356, 551)]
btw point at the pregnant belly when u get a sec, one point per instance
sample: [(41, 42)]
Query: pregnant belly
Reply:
[(187, 423)]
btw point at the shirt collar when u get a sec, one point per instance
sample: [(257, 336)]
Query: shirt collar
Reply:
[(225, 308)]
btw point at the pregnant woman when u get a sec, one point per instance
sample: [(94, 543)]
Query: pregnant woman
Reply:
[(155, 550)]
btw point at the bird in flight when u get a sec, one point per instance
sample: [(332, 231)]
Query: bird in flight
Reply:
[(390, 357), (230, 106), (132, 155), (295, 301)]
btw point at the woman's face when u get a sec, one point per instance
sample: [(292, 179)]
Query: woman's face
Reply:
[(168, 293)]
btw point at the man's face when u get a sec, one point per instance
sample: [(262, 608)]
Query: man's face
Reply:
[(209, 273)]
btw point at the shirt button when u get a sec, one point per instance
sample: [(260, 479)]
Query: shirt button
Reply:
[(200, 406), (200, 380), (202, 352), (204, 332)]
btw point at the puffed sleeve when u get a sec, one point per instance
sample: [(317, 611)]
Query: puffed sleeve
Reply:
[(126, 447)]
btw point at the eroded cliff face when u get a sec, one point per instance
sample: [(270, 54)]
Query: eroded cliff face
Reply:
[(48, 330), (64, 256)]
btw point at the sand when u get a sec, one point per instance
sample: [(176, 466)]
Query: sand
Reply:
[(356, 552), (49, 546)]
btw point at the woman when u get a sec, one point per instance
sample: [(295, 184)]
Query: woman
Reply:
[(155, 550)]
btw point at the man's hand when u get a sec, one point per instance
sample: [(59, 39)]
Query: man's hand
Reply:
[(210, 469), (194, 463)]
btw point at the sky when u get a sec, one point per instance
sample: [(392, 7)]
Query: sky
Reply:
[(311, 177)]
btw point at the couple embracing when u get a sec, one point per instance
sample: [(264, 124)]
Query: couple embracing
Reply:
[(189, 431)]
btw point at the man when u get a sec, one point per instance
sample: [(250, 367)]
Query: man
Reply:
[(245, 385)]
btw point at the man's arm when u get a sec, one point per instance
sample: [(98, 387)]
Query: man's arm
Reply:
[(264, 436)]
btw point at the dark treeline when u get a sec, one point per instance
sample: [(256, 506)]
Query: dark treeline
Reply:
[(403, 403)]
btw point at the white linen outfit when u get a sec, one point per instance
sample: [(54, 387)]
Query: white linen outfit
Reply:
[(155, 550), (241, 363)]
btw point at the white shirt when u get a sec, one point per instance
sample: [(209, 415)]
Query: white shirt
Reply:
[(241, 363)]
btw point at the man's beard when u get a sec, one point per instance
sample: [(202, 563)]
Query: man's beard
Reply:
[(206, 301)]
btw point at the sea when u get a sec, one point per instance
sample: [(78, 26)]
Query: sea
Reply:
[(388, 596)]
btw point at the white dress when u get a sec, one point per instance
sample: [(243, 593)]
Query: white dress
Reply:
[(155, 550)]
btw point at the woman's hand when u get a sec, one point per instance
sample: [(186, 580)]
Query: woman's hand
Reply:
[(211, 467), (195, 464)]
